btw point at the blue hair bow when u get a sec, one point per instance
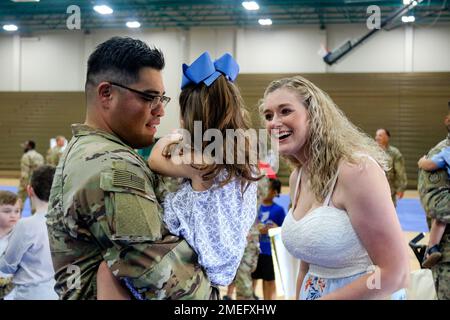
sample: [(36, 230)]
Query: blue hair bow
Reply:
[(205, 70)]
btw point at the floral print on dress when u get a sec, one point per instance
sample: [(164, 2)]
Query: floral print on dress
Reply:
[(314, 287)]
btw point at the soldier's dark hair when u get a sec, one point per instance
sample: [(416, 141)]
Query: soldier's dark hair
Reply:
[(41, 181), (387, 131), (120, 59), (7, 198), (275, 185), (32, 144)]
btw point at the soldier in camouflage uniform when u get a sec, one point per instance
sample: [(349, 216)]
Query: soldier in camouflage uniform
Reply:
[(434, 191), (105, 200), (397, 173), (31, 159), (55, 153), (243, 280)]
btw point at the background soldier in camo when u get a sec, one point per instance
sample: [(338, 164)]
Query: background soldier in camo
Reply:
[(396, 175), (243, 280), (434, 191), (55, 153), (105, 200), (31, 159)]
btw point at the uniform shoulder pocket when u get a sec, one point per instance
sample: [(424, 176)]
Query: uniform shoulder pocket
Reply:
[(131, 204)]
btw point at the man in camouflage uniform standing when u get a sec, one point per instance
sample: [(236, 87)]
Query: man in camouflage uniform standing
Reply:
[(105, 200), (31, 159), (397, 172), (55, 153), (434, 191)]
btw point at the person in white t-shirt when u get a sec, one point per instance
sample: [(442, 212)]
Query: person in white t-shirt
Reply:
[(28, 256)]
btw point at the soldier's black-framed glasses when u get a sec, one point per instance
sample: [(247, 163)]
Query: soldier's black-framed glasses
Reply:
[(153, 99)]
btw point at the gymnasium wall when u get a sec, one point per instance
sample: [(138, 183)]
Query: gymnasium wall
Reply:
[(410, 105), (37, 116)]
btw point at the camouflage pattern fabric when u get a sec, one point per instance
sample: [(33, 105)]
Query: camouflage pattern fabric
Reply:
[(396, 175), (172, 183), (6, 286), (28, 163), (243, 280), (434, 191), (53, 156), (441, 276), (105, 205)]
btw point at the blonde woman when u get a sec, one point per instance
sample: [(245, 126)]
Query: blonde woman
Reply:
[(342, 224)]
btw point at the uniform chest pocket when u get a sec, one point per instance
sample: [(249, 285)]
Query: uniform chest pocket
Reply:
[(132, 209)]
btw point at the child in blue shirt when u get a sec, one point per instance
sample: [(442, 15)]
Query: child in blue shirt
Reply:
[(270, 215), (438, 161)]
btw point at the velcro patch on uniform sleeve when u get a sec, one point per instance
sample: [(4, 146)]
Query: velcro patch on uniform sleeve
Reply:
[(122, 178), (136, 218)]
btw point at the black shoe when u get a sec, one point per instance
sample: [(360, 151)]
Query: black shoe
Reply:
[(256, 297), (227, 298), (432, 256)]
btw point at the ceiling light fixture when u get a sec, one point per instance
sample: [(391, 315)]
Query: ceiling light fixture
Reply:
[(10, 27), (103, 9), (265, 22), (133, 24), (407, 19), (250, 5)]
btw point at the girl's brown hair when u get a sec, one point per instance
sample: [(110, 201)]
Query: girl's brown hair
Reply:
[(219, 106)]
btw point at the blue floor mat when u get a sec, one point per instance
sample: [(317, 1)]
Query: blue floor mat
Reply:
[(409, 211), (27, 209), (411, 215)]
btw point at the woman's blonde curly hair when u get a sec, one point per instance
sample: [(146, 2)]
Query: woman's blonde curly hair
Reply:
[(332, 137)]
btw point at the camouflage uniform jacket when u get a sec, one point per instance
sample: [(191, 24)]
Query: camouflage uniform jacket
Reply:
[(104, 206), (28, 163), (397, 172), (53, 156), (434, 191)]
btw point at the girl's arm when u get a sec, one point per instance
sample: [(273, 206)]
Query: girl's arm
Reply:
[(172, 165), (365, 194), (108, 287), (427, 164)]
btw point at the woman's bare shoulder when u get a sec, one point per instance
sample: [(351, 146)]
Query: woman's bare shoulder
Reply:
[(350, 173)]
